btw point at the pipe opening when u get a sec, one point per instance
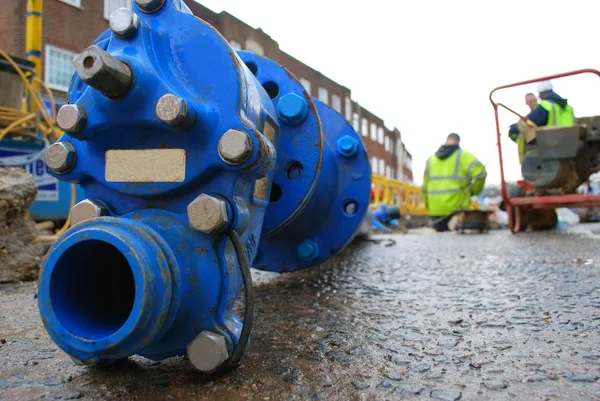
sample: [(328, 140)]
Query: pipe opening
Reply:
[(92, 289)]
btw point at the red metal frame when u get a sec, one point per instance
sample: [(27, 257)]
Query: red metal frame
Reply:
[(537, 202)]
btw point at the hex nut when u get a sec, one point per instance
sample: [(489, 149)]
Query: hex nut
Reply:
[(171, 110), (308, 250), (207, 351), (150, 6), (292, 109), (235, 147), (207, 214), (124, 22), (347, 146), (71, 118), (101, 71), (85, 210), (60, 157)]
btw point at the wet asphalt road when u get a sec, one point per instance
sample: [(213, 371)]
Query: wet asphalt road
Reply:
[(415, 316)]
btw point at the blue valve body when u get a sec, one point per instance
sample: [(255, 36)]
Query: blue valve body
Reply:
[(145, 279), (142, 280)]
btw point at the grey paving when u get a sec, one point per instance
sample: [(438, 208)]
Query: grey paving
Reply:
[(416, 316)]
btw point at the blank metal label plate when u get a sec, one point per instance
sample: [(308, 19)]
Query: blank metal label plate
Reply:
[(148, 165)]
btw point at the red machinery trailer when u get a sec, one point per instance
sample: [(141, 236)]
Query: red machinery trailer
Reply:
[(519, 207)]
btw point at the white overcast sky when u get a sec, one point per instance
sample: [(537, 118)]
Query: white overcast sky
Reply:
[(427, 67)]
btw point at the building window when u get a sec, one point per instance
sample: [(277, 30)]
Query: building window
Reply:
[(59, 68), (373, 165), (381, 166), (387, 144), (323, 95), (373, 131), (348, 105), (380, 135), (74, 3), (365, 127), (306, 83), (110, 6), (336, 103), (356, 122), (388, 171), (254, 46), (235, 45), (400, 174)]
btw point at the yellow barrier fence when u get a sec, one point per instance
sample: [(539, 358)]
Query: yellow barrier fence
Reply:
[(391, 192)]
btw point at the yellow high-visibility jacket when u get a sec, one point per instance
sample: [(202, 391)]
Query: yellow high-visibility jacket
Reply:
[(449, 183)]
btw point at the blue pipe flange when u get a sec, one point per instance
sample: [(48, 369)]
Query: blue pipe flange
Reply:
[(173, 141), (322, 179)]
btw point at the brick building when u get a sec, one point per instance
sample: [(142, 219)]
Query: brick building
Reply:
[(69, 26)]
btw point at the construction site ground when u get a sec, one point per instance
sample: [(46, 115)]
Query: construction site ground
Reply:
[(402, 316)]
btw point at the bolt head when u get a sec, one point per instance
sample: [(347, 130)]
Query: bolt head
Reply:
[(207, 351), (150, 6), (102, 71), (171, 110), (208, 214), (60, 157), (235, 147), (71, 118), (292, 109), (124, 22), (85, 210), (308, 250), (347, 146)]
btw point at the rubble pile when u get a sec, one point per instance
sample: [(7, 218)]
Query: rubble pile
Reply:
[(20, 255)]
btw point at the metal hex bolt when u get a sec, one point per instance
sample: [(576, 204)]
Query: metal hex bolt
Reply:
[(207, 351), (347, 146), (172, 110), (103, 72), (308, 250), (150, 6), (235, 147), (207, 214), (124, 22), (292, 109), (85, 210), (71, 118), (60, 157)]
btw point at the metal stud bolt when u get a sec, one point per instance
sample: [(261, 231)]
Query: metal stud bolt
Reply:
[(208, 214), (150, 6), (101, 71), (71, 118), (292, 109), (347, 147), (85, 210), (173, 110), (308, 250), (207, 351), (60, 157), (124, 23), (235, 147)]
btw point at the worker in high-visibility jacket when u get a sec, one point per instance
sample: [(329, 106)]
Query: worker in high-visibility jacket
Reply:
[(553, 110), (452, 175)]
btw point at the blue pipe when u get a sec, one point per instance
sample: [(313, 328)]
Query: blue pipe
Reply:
[(386, 214)]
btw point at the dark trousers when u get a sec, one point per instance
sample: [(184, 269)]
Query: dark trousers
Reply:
[(440, 223)]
